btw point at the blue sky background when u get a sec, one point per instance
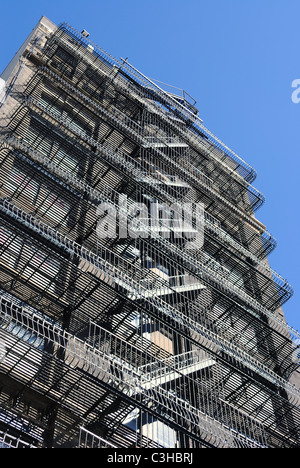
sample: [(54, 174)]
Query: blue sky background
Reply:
[(237, 58)]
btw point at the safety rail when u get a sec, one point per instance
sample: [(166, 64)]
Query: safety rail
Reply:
[(213, 272), (127, 163), (122, 372), (198, 177), (119, 271), (118, 118), (205, 267), (193, 120), (122, 158), (253, 199), (9, 441), (192, 171), (109, 194), (147, 85), (87, 439), (18, 143), (176, 363), (107, 363), (112, 154), (209, 220)]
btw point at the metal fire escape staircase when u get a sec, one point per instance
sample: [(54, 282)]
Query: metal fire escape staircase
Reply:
[(112, 269), (119, 376), (137, 385)]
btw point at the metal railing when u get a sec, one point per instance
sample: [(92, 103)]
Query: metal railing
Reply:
[(112, 268), (177, 363), (89, 440), (140, 79), (9, 441), (210, 221), (120, 158), (192, 170), (107, 362)]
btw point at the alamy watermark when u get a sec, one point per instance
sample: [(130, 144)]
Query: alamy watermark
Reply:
[(129, 219), (296, 93)]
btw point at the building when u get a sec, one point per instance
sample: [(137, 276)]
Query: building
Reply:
[(138, 307)]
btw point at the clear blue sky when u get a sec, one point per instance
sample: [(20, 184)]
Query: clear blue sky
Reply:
[(237, 58)]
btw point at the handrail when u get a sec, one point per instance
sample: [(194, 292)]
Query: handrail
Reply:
[(173, 363), (104, 265), (101, 443), (197, 180), (126, 278), (207, 220), (118, 374), (9, 441), (142, 79), (191, 168)]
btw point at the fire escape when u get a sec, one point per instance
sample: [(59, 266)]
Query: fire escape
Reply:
[(134, 340)]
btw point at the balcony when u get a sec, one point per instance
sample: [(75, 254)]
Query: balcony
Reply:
[(108, 361)]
